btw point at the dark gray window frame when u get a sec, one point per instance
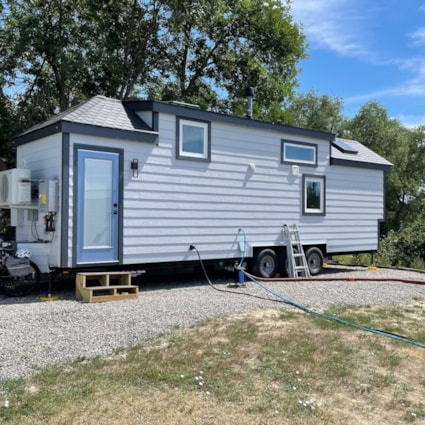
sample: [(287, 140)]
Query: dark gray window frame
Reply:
[(180, 155), (322, 210), (300, 144)]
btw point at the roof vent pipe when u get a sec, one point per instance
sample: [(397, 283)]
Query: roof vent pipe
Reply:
[(249, 92)]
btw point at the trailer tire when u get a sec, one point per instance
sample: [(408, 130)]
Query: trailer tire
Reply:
[(314, 257), (265, 263)]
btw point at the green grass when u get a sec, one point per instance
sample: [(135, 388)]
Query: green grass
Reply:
[(277, 367)]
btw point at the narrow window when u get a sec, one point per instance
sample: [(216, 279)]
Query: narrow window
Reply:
[(193, 139), (314, 195), (299, 153)]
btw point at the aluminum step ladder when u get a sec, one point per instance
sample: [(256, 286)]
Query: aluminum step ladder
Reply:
[(297, 262)]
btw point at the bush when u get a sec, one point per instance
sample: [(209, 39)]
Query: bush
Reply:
[(355, 259), (405, 248), (6, 231)]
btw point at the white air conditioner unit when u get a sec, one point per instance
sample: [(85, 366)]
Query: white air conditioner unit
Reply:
[(15, 187)]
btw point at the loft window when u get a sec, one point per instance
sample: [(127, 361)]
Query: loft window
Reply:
[(193, 139), (314, 195), (299, 153)]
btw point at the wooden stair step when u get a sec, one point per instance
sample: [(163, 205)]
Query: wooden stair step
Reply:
[(104, 286)]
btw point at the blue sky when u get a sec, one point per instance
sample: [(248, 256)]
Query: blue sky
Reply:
[(363, 50)]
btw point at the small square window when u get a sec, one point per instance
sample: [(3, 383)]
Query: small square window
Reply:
[(193, 139), (299, 153), (314, 195)]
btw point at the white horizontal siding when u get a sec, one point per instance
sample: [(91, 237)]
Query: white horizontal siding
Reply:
[(43, 158), (175, 203)]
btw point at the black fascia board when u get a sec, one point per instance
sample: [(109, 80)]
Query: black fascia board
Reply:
[(359, 164), (191, 112), (89, 130)]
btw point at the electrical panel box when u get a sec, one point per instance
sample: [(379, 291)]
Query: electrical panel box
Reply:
[(48, 191)]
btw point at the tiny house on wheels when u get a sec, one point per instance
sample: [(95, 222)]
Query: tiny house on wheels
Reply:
[(132, 185)]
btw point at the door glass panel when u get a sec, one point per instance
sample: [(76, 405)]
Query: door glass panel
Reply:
[(98, 203)]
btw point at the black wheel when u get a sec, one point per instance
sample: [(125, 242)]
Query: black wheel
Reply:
[(14, 286), (265, 263), (314, 257)]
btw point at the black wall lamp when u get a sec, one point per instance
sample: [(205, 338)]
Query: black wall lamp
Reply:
[(135, 167)]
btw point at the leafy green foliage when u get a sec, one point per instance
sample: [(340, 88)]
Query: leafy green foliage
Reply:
[(200, 51), (404, 148), (405, 247), (317, 112), (6, 131)]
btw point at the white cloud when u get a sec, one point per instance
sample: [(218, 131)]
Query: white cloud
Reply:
[(410, 121), (416, 66), (337, 25), (405, 89), (418, 36)]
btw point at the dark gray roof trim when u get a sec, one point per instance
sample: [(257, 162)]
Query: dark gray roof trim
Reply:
[(115, 133), (357, 164), (86, 129), (37, 134), (195, 113)]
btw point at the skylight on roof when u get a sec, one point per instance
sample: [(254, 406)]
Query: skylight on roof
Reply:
[(344, 146)]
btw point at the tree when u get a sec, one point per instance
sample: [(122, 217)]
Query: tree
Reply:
[(317, 112), (45, 50), (7, 122), (199, 51), (6, 156), (122, 39), (405, 149), (62, 50), (217, 48)]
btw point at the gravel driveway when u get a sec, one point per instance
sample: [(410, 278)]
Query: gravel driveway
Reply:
[(36, 334)]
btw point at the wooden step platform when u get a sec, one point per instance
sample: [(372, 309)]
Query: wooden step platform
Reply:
[(93, 287)]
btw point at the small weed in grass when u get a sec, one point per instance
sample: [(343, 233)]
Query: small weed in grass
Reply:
[(245, 332), (391, 360), (288, 314), (415, 413)]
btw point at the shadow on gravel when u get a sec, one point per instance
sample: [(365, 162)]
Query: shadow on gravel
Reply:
[(333, 269), (182, 280), (64, 286)]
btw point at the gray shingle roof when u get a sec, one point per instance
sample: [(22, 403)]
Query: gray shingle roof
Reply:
[(362, 157), (99, 111)]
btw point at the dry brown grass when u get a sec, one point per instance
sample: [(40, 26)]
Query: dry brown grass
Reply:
[(266, 367)]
